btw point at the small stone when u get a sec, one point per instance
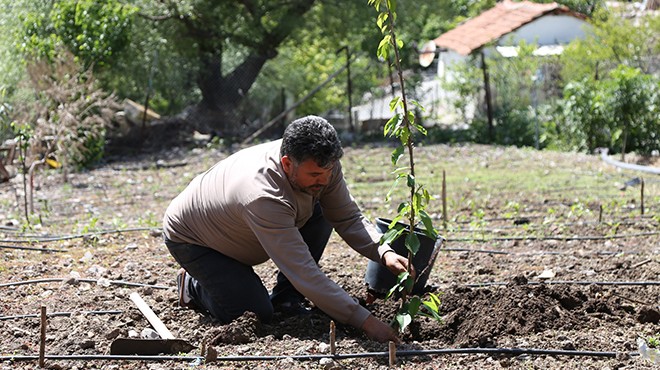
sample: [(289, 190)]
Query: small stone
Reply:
[(103, 282), (568, 346), (547, 274), (328, 364), (148, 333), (72, 281), (323, 348), (114, 333), (87, 257), (87, 344)]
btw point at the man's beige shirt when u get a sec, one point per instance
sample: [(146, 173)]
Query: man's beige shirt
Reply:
[(244, 207)]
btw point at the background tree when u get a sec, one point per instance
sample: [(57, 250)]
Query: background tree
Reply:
[(212, 30)]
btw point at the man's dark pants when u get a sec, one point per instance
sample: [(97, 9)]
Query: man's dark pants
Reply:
[(227, 288)]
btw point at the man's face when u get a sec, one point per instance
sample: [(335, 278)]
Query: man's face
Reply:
[(307, 176)]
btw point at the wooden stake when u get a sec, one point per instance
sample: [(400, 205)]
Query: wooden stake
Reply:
[(600, 213), (42, 342), (641, 263), (392, 349), (333, 335), (642, 195), (444, 200)]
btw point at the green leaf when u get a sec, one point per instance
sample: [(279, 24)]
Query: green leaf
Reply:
[(394, 185), (391, 5), (409, 283), (382, 21), (413, 305), (421, 129), (395, 220), (397, 154), (429, 230), (411, 117), (390, 125), (401, 279), (416, 103), (403, 319), (410, 180), (394, 102), (412, 243), (432, 305), (390, 235)]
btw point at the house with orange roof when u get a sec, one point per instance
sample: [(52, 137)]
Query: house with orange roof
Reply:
[(497, 30)]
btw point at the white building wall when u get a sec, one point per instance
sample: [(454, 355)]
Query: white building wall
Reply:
[(548, 30)]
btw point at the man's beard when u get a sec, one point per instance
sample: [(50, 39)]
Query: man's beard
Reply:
[(314, 190)]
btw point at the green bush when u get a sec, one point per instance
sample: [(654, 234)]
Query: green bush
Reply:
[(621, 113)]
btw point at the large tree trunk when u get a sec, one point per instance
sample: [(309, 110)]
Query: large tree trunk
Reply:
[(222, 95), (218, 112)]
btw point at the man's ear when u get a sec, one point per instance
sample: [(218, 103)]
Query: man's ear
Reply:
[(287, 164)]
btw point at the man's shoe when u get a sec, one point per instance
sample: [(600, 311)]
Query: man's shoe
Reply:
[(183, 286), (291, 308)]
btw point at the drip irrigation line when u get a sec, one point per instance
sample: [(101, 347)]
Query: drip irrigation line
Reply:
[(403, 353), (562, 238), (538, 253), (113, 282), (78, 236), (568, 282), (32, 248), (58, 314), (530, 225), (532, 217)]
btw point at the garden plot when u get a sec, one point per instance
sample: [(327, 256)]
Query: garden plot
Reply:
[(547, 263)]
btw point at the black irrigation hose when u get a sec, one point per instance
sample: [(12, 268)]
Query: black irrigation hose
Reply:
[(57, 314), (79, 236), (538, 253), (558, 224), (32, 248), (403, 353), (536, 238), (568, 282), (115, 282)]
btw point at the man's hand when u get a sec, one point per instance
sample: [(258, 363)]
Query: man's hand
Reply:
[(396, 263), (378, 330)]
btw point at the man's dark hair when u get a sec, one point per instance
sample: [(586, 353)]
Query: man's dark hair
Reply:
[(311, 137)]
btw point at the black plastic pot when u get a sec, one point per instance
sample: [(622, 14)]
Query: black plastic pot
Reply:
[(380, 280)]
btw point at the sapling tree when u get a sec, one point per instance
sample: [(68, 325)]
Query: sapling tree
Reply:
[(411, 212)]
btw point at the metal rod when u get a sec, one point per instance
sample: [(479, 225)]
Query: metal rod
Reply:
[(42, 341)]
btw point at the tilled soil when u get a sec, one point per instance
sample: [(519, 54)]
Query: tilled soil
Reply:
[(585, 288)]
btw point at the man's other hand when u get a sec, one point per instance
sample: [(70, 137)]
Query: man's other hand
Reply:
[(378, 330)]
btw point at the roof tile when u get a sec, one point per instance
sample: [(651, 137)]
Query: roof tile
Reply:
[(492, 24)]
